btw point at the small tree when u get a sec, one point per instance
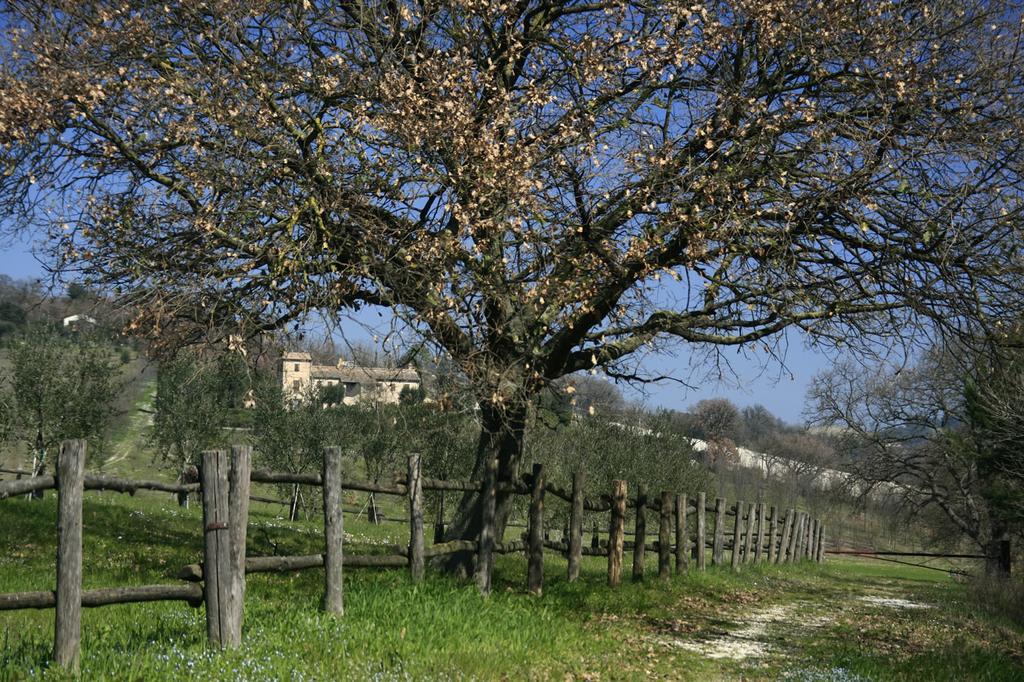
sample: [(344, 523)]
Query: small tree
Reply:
[(194, 397), (58, 388)]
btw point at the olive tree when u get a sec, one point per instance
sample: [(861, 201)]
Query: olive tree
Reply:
[(58, 387), (536, 187)]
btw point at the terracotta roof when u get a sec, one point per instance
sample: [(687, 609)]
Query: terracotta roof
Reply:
[(296, 355), (363, 375)]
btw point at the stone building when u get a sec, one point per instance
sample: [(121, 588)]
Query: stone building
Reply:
[(385, 384)]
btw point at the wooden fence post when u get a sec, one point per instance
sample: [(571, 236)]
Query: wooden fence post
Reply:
[(805, 528), (821, 543), (415, 489), (217, 547), (67, 633), (701, 537), (576, 526), (787, 527), (748, 537), (794, 537), (762, 512), (812, 550), (238, 520), (334, 533), (640, 532), (682, 541), (616, 530), (773, 536), (719, 541), (737, 535), (535, 558), (485, 547), (665, 535)]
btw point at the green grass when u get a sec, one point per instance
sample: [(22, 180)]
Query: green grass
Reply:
[(443, 629)]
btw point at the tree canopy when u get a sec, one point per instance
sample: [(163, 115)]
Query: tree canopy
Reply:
[(538, 187)]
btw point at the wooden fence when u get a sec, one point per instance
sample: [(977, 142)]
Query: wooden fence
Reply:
[(754, 533)]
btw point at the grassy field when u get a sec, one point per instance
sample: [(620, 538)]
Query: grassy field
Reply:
[(845, 620)]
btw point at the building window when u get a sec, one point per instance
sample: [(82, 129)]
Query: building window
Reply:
[(297, 384), (351, 389), (296, 367)]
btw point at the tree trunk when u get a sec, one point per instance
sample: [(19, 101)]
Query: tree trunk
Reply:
[(501, 437), (997, 552)]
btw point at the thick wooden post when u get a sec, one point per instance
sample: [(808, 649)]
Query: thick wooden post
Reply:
[(640, 532), (773, 536), (535, 558), (718, 545), (794, 538), (737, 535), (787, 528), (334, 533), (762, 511), (665, 535), (238, 519), (439, 521), (701, 537), (821, 543), (682, 541), (415, 490), (812, 550), (217, 547), (616, 531), (67, 633), (576, 526), (485, 546), (748, 536)]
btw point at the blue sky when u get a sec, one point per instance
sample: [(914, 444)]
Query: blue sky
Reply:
[(781, 390)]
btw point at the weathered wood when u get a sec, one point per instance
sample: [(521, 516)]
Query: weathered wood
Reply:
[(284, 564), (415, 486), (193, 594), (451, 547), (773, 536), (762, 511), (821, 543), (665, 509), (682, 541), (737, 535), (25, 486), (238, 519), (68, 624), (640, 533), (264, 476), (719, 540), (576, 526), (812, 546), (535, 555), (812, 534), (334, 532), (217, 546), (616, 533), (748, 535), (794, 537), (441, 484), (124, 485), (700, 537), (787, 528), (487, 539)]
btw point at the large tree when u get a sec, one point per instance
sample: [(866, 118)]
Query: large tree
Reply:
[(537, 186)]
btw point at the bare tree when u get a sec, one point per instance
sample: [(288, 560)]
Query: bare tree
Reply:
[(537, 188), (926, 435)]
